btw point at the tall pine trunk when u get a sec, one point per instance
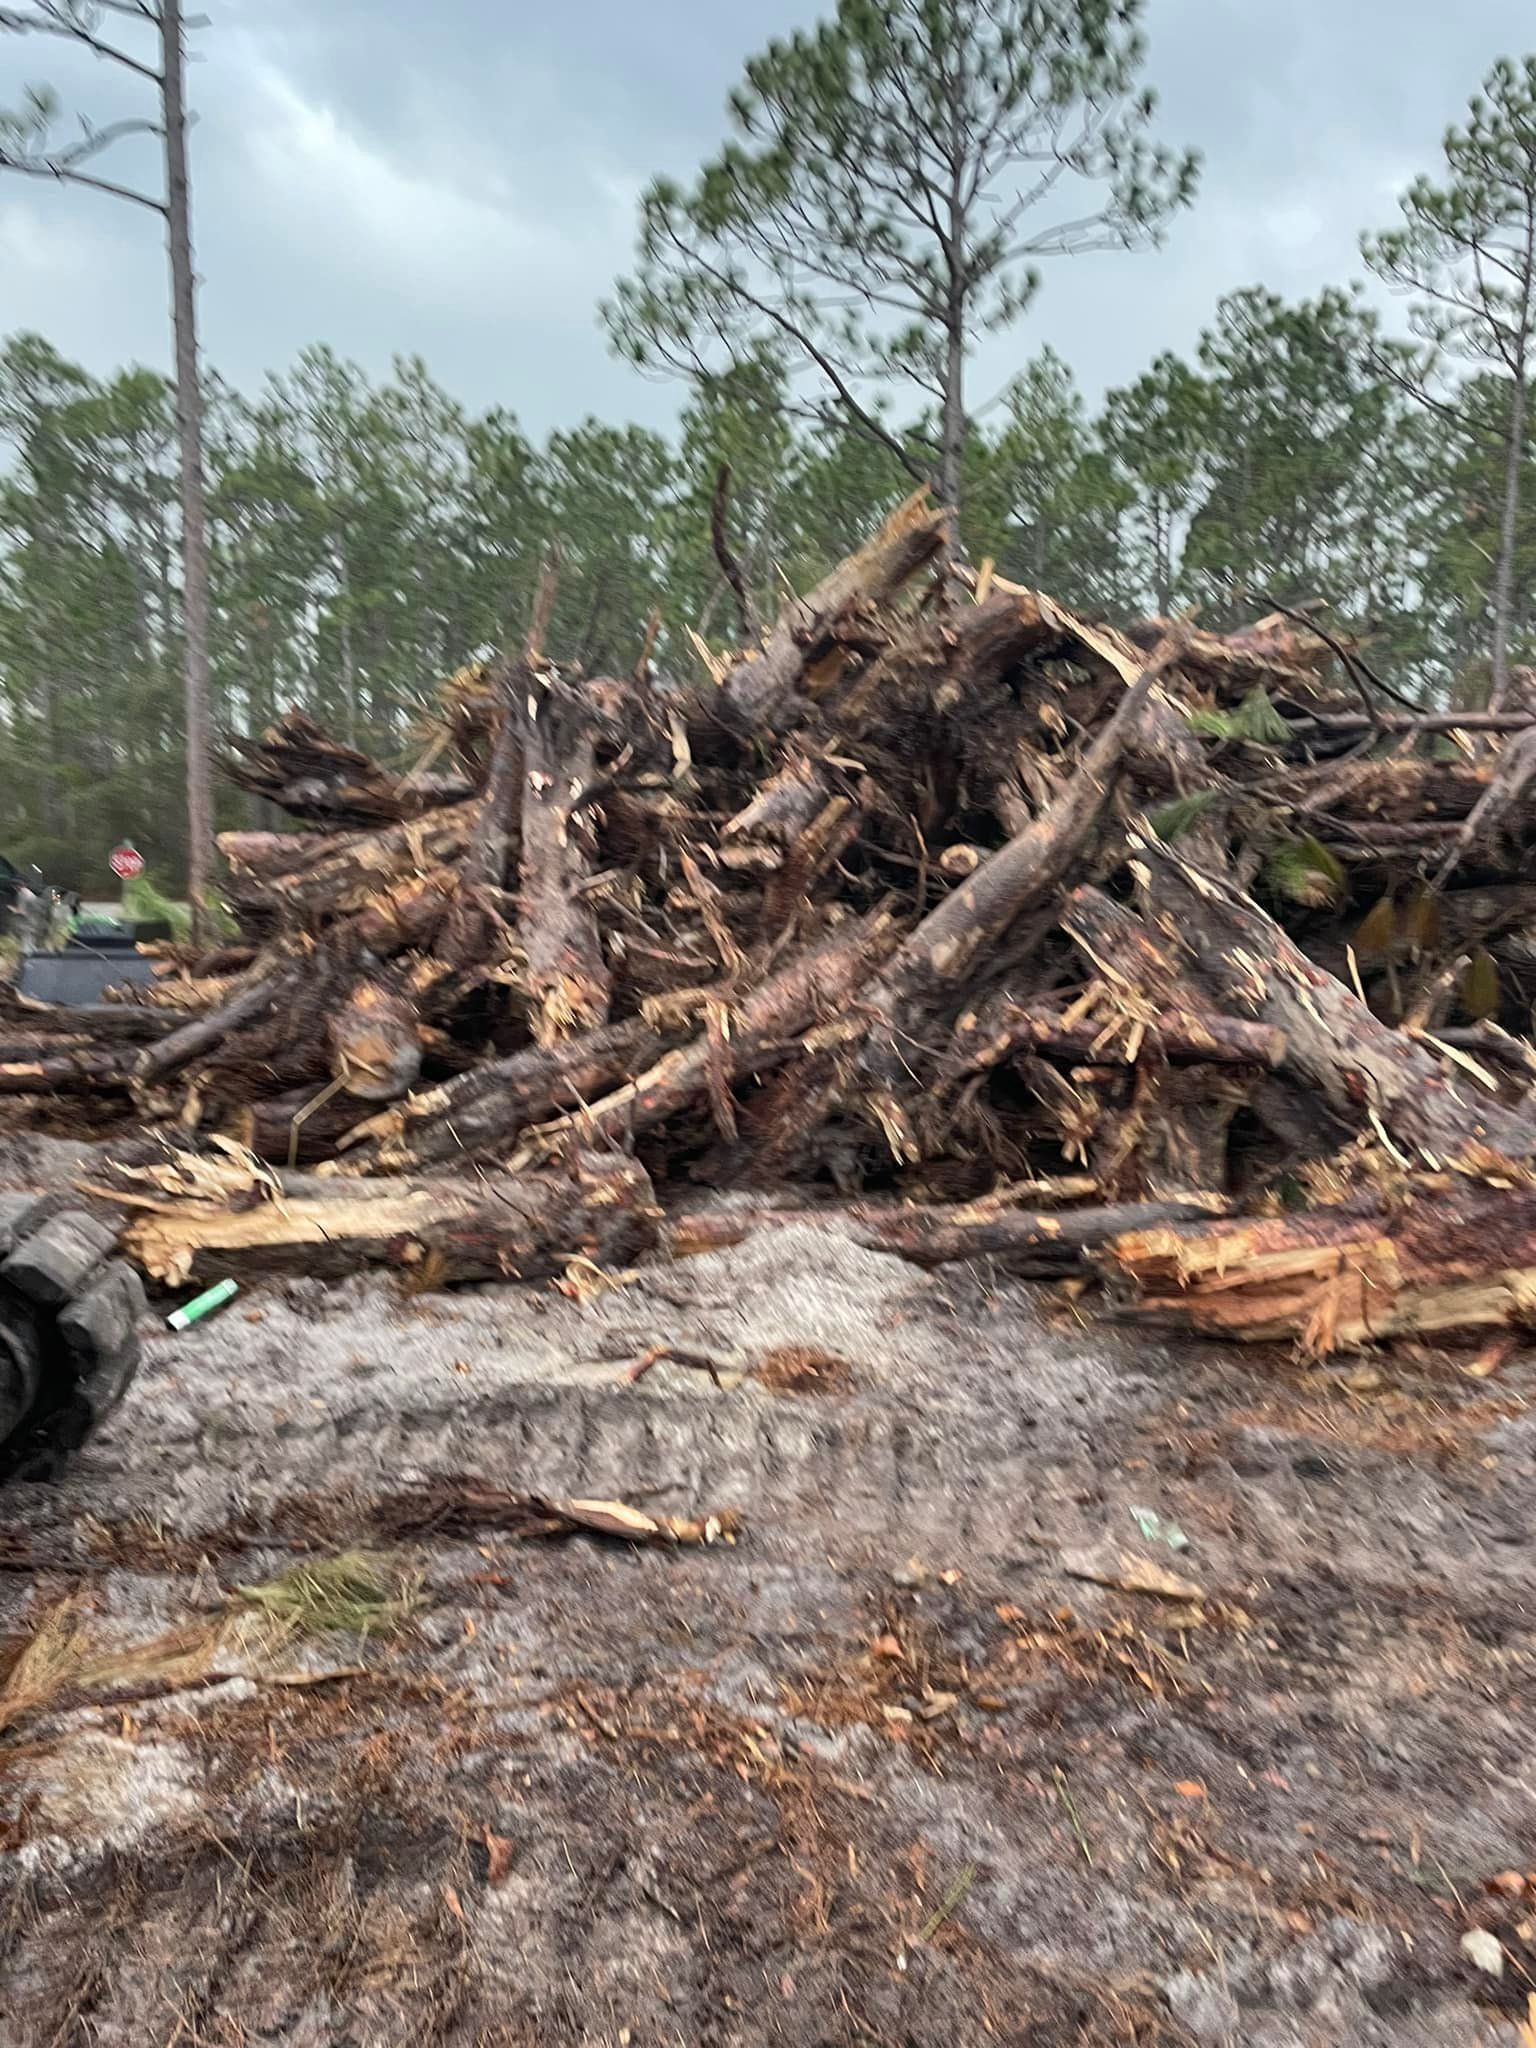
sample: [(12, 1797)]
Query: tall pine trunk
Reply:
[(1504, 576), (189, 428), (953, 448)]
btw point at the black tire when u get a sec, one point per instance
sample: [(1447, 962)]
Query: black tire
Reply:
[(69, 1343)]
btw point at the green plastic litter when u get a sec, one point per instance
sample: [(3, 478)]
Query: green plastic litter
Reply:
[(203, 1304), (1155, 1528)]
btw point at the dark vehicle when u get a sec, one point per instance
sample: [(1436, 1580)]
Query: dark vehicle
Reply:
[(93, 958), (66, 958)]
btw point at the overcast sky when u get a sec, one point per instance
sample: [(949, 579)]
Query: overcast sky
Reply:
[(459, 180)]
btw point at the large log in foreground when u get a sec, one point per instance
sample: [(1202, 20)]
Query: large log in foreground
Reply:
[(1460, 1256), (1032, 1244), (594, 1206)]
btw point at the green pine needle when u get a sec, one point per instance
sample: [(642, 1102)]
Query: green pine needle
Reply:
[(351, 1593), (1213, 725), (1303, 871), (1254, 719), (1171, 821)]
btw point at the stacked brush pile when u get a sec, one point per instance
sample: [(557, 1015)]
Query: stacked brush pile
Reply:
[(1206, 961)]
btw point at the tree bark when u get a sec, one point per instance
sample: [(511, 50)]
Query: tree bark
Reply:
[(1183, 1020), (596, 1206), (1509, 517), (265, 854), (375, 1040), (298, 766), (779, 812), (124, 1023), (189, 426), (83, 1071), (760, 1035), (203, 1033), (483, 1112), (1035, 1245), (360, 866), (1462, 1257), (567, 978), (1195, 1034), (1363, 1067), (935, 960), (1042, 1247), (758, 695), (953, 429), (468, 933)]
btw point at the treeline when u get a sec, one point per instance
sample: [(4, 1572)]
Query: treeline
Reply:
[(367, 538)]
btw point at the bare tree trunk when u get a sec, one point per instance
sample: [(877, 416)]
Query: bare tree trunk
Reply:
[(954, 423), (1504, 578), (189, 424)]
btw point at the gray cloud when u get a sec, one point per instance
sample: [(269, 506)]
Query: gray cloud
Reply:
[(460, 182)]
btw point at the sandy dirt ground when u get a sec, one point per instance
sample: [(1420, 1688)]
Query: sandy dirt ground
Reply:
[(889, 1769)]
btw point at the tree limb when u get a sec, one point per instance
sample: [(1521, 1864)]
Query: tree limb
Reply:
[(52, 22)]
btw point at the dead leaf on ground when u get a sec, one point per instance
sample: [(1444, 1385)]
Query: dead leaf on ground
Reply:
[(1127, 1573), (499, 1851)]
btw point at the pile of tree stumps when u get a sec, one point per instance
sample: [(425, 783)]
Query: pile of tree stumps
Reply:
[(1202, 962)]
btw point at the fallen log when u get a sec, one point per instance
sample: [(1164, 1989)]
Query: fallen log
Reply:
[(375, 1041), (482, 1113), (1033, 1244), (77, 1072), (301, 1127), (407, 916), (359, 865), (1452, 1256), (1004, 1026), (183, 1046), (1512, 774), (566, 977), (1036, 1245), (781, 810), (117, 1023), (592, 1206), (264, 854), (296, 765), (758, 694)]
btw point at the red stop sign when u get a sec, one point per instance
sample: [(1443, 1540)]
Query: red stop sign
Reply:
[(126, 862)]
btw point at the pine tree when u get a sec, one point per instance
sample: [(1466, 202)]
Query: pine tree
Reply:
[(898, 172), (1466, 255)]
